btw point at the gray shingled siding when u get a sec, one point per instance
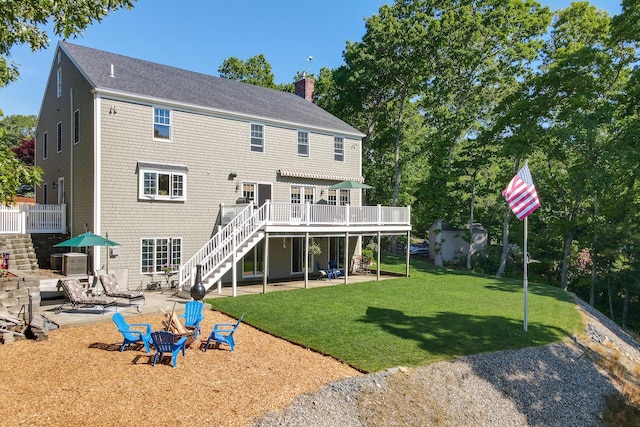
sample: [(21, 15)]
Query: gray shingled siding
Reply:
[(210, 126), (211, 148), (56, 109)]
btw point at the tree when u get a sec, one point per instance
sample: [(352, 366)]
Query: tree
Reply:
[(17, 128), (24, 21), (479, 51), (255, 70), (26, 151)]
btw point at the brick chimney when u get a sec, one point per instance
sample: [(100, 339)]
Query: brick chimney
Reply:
[(304, 87)]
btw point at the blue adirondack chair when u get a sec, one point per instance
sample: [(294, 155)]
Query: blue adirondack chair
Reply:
[(333, 266), (193, 316), (164, 343), (222, 333), (132, 336), (328, 273)]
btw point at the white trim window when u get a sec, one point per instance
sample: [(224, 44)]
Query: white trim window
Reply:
[(338, 149), (257, 138), (302, 194), (161, 124), (76, 126), (162, 182), (59, 137), (160, 252), (339, 196), (303, 143), (45, 145), (59, 82)]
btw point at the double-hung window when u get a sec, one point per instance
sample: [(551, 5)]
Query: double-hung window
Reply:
[(303, 143), (59, 82), (157, 253), (59, 137), (257, 138), (338, 149), (45, 145), (76, 126), (162, 182), (162, 124)]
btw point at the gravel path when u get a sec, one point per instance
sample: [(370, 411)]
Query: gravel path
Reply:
[(554, 385)]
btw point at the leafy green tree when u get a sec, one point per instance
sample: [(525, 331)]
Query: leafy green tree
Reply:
[(255, 70), (17, 128), (24, 21), (479, 50)]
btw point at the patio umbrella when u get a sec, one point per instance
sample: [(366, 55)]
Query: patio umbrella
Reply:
[(349, 185), (86, 240)]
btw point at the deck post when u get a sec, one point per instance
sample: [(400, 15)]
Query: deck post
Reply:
[(408, 251), (306, 260), (346, 261), (234, 264), (378, 261), (265, 273)]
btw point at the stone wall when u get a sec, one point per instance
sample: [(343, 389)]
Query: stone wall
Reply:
[(14, 296)]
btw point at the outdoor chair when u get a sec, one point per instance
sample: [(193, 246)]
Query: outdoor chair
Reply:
[(222, 333), (79, 298), (193, 316), (164, 342), (133, 336), (328, 273), (333, 266), (112, 289)]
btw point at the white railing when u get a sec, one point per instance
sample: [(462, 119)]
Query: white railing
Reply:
[(221, 247), (309, 214), (218, 249), (25, 218)]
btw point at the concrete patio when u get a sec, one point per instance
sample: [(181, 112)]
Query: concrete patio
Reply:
[(168, 300)]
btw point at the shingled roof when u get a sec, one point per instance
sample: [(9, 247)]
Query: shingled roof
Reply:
[(162, 83)]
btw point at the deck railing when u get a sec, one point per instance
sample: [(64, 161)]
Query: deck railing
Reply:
[(26, 218), (249, 220), (310, 214)]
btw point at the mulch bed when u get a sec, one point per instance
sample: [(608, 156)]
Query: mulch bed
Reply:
[(79, 377)]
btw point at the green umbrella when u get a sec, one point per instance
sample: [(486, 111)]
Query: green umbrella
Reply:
[(86, 239), (349, 185)]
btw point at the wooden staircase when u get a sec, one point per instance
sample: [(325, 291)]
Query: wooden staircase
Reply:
[(219, 255)]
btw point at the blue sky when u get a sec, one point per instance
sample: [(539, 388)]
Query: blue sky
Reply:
[(198, 35)]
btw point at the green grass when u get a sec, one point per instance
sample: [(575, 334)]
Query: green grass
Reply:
[(436, 314)]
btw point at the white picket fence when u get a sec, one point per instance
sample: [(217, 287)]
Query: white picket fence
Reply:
[(26, 218)]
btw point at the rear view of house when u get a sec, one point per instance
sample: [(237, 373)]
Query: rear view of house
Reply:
[(186, 169)]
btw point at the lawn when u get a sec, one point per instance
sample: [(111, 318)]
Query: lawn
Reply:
[(436, 314)]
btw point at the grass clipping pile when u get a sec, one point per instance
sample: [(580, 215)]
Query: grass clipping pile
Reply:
[(79, 377)]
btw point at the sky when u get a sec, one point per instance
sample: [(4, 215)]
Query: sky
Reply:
[(198, 35)]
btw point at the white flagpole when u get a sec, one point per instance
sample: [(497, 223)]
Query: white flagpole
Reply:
[(526, 262)]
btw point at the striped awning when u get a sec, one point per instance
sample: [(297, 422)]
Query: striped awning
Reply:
[(328, 176)]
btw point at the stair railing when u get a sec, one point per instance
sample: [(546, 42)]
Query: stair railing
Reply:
[(222, 245)]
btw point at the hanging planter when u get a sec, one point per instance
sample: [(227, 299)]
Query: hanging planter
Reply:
[(314, 249)]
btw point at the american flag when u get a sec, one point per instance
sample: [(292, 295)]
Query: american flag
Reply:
[(521, 194)]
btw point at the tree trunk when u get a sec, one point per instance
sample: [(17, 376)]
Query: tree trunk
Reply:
[(592, 290), (564, 276), (625, 306), (473, 199), (437, 260), (505, 242), (610, 299)]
